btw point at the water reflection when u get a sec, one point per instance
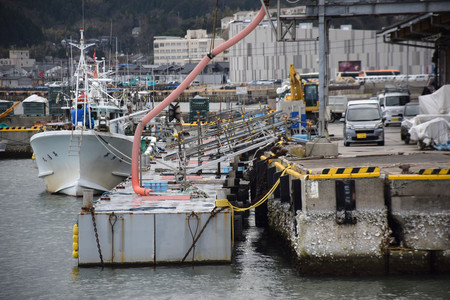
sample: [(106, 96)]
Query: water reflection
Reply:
[(36, 261)]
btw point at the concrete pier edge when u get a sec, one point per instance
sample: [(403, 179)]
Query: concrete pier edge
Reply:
[(399, 224)]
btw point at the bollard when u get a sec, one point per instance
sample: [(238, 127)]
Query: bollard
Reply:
[(88, 196)]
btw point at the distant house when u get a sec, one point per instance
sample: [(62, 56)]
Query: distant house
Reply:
[(18, 58), (15, 81), (10, 70)]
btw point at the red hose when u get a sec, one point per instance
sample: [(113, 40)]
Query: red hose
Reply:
[(177, 92)]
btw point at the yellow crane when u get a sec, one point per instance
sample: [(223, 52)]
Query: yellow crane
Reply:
[(306, 91), (296, 86), (9, 110)]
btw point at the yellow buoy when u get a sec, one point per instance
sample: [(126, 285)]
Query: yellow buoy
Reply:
[(75, 241)]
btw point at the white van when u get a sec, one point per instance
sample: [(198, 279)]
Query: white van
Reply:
[(363, 123), (392, 101)]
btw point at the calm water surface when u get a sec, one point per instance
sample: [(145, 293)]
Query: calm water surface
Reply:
[(36, 261)]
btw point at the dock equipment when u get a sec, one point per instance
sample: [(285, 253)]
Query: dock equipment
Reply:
[(180, 221)]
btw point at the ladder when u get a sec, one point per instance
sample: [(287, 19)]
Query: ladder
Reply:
[(75, 144)]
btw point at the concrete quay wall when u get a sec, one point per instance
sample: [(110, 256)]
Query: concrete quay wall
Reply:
[(17, 142), (360, 223)]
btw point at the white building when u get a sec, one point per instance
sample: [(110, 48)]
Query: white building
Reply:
[(190, 49), (18, 58), (260, 57)]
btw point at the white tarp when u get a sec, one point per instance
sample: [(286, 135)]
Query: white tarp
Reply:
[(432, 126), (35, 98), (436, 103), (435, 131)]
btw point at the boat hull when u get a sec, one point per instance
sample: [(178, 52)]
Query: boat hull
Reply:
[(71, 161)]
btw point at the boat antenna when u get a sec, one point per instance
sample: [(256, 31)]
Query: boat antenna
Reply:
[(214, 28), (82, 13)]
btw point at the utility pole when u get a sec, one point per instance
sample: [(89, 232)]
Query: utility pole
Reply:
[(323, 66)]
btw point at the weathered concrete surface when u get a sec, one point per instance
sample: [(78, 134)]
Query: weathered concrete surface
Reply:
[(18, 143), (321, 194), (401, 261), (395, 226), (320, 243), (422, 210), (321, 147)]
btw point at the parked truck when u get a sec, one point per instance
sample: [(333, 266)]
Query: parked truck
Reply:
[(336, 107)]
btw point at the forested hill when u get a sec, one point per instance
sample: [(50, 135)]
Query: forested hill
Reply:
[(27, 22), (41, 24)]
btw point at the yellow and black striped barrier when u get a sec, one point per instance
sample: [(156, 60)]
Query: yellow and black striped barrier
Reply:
[(424, 174), (359, 172), (10, 129), (434, 172)]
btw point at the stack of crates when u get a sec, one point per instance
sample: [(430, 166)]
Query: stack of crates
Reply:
[(198, 109), (156, 186)]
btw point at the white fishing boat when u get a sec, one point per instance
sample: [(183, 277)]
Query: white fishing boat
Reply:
[(93, 153)]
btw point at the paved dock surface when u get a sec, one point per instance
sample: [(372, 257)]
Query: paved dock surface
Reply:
[(388, 158)]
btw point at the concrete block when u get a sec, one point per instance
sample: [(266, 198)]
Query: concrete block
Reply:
[(429, 188), (324, 247), (419, 204), (406, 261), (421, 209), (425, 231), (369, 193), (319, 195), (321, 147), (440, 261)]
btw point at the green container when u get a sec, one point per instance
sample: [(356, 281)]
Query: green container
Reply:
[(198, 109), (34, 108), (4, 105)]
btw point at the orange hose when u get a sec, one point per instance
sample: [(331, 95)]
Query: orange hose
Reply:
[(160, 107)]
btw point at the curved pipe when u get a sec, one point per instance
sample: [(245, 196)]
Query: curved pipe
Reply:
[(160, 107)]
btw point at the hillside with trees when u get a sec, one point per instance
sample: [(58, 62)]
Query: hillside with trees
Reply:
[(44, 23), (41, 25)]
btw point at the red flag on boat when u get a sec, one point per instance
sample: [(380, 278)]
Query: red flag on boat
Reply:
[(95, 70), (82, 98), (41, 74)]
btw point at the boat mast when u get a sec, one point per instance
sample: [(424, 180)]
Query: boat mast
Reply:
[(82, 69)]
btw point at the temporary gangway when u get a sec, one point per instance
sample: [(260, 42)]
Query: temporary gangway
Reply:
[(223, 142), (231, 135), (160, 107)]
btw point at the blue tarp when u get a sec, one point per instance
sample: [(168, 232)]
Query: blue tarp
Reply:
[(79, 117)]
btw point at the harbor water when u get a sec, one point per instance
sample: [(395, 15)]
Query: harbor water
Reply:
[(36, 260)]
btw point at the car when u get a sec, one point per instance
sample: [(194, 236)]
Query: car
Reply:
[(363, 124), (363, 102), (410, 110)]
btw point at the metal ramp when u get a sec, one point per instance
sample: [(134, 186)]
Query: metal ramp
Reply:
[(229, 135)]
